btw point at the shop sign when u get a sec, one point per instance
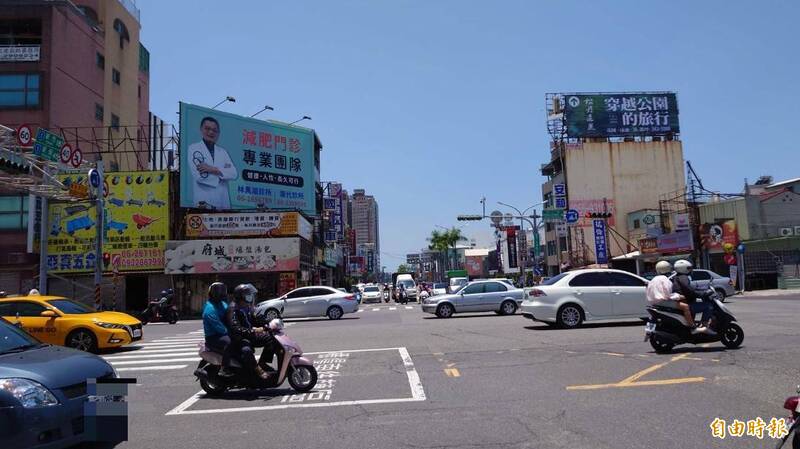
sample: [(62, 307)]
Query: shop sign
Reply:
[(232, 255), (648, 245), (675, 242), (262, 224)]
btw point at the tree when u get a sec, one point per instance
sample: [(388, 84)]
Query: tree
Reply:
[(444, 241), (403, 269)]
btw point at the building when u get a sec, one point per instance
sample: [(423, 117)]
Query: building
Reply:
[(364, 216), (594, 167)]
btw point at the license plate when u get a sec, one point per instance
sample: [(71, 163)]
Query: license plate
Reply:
[(137, 333), (649, 328)]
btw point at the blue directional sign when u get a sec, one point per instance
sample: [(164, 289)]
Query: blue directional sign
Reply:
[(94, 178), (600, 248), (571, 216)]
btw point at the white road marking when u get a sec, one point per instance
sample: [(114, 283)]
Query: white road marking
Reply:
[(154, 368), (361, 310), (157, 350), (141, 362), (149, 355), (409, 307), (166, 344), (375, 310), (178, 340), (390, 308)]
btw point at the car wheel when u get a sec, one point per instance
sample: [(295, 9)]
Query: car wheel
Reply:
[(445, 311), (303, 378), (732, 336), (659, 345), (335, 312), (82, 340), (271, 314), (721, 294), (508, 308), (569, 316)]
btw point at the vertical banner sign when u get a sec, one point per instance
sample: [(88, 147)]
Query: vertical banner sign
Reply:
[(234, 162), (560, 194), (621, 114), (600, 249), (511, 240)]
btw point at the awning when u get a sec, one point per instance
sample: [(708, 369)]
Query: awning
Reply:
[(633, 255)]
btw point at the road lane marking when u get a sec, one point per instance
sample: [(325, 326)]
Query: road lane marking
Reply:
[(452, 372), (641, 383), (156, 350), (392, 308), (649, 370), (148, 355), (615, 354), (409, 307), (375, 310), (142, 362), (153, 368)]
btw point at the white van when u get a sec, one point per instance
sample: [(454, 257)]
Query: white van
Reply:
[(408, 283), (457, 283)]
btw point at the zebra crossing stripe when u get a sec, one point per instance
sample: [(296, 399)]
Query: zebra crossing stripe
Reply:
[(149, 356), (148, 368), (142, 362)]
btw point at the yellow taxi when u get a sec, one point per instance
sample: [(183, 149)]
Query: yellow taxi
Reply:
[(62, 321)]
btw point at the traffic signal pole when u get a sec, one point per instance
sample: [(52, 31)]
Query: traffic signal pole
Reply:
[(98, 246)]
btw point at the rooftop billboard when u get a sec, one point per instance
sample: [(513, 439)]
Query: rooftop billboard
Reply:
[(621, 114)]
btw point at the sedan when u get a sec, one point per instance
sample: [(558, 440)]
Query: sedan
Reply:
[(571, 298), (307, 302), (478, 296), (372, 293), (43, 390), (703, 279)]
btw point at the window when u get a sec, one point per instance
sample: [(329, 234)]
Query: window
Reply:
[(13, 213), (636, 224), (70, 307), (320, 292), (473, 289), (8, 309), (299, 293), (25, 308), (98, 111), (100, 60), (124, 36), (625, 280), (19, 90), (115, 121), (701, 275), (20, 32), (597, 279), (494, 287), (555, 279), (115, 76)]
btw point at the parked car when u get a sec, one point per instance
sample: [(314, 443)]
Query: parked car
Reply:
[(439, 288), (457, 283), (476, 296), (703, 279), (311, 301), (569, 299), (61, 321), (43, 390), (372, 294)]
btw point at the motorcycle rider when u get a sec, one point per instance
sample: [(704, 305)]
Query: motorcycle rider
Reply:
[(682, 285), (214, 329), (659, 291), (401, 293), (244, 336)]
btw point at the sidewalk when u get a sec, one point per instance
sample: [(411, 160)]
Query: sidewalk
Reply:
[(772, 292)]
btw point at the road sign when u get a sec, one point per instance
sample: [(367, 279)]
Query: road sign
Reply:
[(571, 216), (65, 153), (77, 158), (496, 217), (48, 145), (24, 135), (552, 214), (508, 218), (94, 178), (561, 229), (600, 248)]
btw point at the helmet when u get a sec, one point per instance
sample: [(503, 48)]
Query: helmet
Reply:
[(663, 267), (245, 292), (217, 292), (33, 292), (683, 266)]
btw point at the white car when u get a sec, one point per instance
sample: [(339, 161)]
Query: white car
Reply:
[(439, 288), (309, 302), (371, 294), (571, 298)]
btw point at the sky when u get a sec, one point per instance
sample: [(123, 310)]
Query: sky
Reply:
[(431, 105)]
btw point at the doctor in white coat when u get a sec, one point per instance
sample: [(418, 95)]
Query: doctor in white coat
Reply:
[(211, 168)]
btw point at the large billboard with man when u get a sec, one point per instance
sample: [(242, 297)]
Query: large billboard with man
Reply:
[(230, 162)]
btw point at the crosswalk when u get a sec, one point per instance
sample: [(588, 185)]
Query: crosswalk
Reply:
[(365, 308), (168, 353)]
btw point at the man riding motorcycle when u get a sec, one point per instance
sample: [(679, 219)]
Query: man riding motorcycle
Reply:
[(249, 331), (214, 329), (682, 285)]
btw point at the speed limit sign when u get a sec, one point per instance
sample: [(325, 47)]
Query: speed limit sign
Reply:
[(24, 135), (65, 154)]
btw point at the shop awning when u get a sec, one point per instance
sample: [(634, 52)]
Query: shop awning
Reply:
[(633, 255)]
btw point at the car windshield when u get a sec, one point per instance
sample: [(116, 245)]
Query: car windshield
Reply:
[(14, 339), (406, 284), (69, 307), (371, 289), (554, 279)]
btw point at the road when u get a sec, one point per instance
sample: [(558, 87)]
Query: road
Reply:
[(483, 381)]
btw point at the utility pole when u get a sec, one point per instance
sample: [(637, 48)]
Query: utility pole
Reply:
[(96, 179), (43, 233), (605, 228)]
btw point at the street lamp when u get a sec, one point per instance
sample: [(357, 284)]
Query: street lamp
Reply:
[(520, 261), (305, 117), (228, 98), (266, 108)]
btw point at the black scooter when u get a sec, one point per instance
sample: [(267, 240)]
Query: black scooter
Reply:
[(667, 327), (160, 310)]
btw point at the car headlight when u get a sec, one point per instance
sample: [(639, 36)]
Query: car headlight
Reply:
[(109, 325), (29, 393)]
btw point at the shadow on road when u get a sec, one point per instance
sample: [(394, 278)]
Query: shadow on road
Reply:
[(547, 327), (461, 316), (697, 350), (265, 395)]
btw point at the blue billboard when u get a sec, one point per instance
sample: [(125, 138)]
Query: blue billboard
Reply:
[(230, 162)]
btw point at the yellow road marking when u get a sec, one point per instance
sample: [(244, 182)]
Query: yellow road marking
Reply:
[(452, 372), (615, 354), (643, 383), (651, 369)]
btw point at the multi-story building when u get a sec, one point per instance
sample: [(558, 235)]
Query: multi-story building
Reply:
[(365, 223)]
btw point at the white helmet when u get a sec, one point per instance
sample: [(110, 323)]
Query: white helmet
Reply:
[(683, 266), (663, 267)]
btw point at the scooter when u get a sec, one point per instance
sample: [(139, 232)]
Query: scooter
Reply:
[(667, 327), (292, 366), (160, 310), (792, 403), (386, 295)]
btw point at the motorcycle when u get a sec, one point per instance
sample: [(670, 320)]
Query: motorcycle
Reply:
[(792, 403), (160, 310), (386, 295), (667, 327), (299, 370)]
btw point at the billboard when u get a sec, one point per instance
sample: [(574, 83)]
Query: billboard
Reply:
[(136, 224), (511, 241), (261, 224), (716, 235), (474, 265), (621, 114), (234, 162), (600, 247), (675, 243), (232, 256)]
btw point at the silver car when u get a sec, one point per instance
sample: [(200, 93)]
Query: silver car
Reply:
[(311, 301), (372, 293), (477, 296), (703, 279)]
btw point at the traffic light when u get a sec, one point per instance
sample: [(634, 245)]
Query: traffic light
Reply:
[(106, 260), (470, 217), (600, 215), (15, 166)]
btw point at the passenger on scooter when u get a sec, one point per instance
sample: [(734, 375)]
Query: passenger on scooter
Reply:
[(214, 329), (682, 285), (244, 336), (659, 291)]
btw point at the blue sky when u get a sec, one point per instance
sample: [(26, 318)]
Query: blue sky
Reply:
[(431, 105)]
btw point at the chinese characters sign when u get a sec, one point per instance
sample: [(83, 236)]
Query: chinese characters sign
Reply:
[(269, 224), (600, 248), (19, 53), (675, 243), (47, 145), (234, 162), (232, 256), (619, 115), (136, 224)]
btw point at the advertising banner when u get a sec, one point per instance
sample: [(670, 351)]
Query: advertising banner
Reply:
[(600, 248), (136, 224), (717, 235), (648, 245), (261, 224), (287, 283), (584, 205), (19, 53), (474, 265), (232, 256), (621, 114), (511, 240), (681, 222), (675, 243), (234, 162)]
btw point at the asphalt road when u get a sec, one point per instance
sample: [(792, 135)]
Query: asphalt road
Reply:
[(400, 378)]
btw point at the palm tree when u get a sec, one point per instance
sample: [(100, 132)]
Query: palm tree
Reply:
[(453, 236), (443, 241)]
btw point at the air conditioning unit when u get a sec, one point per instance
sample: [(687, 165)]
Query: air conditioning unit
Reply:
[(787, 232)]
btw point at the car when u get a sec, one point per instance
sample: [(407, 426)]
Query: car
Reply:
[(43, 389), (61, 321), (476, 296), (703, 279), (313, 301), (439, 288), (408, 283), (457, 283), (572, 298), (372, 294)]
